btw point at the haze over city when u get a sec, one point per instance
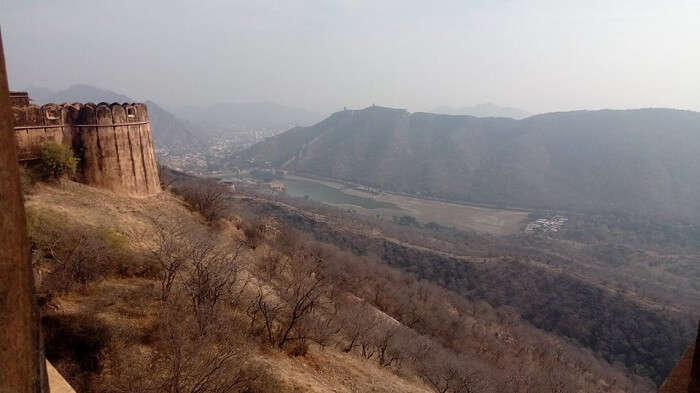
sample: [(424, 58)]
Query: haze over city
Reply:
[(322, 55), (276, 196)]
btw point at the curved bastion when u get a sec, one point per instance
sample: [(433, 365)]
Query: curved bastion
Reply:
[(113, 141)]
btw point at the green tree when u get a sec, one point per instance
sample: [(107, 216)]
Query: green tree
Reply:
[(58, 160)]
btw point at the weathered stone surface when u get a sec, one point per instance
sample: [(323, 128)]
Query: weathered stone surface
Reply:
[(67, 129), (137, 158), (91, 155), (19, 98), (31, 133), (20, 354), (121, 136), (106, 140), (35, 135), (52, 116), (114, 142), (149, 155), (21, 136)]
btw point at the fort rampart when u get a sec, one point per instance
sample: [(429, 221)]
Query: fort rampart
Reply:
[(113, 141)]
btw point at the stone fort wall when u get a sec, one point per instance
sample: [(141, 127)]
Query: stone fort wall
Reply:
[(113, 141)]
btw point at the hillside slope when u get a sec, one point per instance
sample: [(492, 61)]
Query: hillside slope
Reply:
[(120, 307), (642, 161), (550, 284), (110, 325)]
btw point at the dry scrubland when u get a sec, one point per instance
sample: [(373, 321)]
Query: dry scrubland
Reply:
[(161, 295), (617, 306), (124, 307)]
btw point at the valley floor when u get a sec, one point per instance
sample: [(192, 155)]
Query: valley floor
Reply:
[(461, 216)]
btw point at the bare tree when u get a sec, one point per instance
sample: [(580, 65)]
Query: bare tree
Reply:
[(171, 253), (211, 275), (388, 351), (75, 255), (302, 295), (441, 377), (446, 373), (184, 361), (264, 310), (282, 318), (296, 295), (357, 323), (167, 176), (207, 197)]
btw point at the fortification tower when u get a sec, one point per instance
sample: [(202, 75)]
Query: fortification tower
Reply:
[(113, 141)]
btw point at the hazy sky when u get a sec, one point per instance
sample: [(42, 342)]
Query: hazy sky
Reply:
[(540, 55)]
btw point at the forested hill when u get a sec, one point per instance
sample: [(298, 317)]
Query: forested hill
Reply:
[(640, 161)]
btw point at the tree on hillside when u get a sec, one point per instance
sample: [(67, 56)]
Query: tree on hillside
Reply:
[(57, 160)]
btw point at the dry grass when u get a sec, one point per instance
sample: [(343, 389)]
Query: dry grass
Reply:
[(328, 370), (100, 208), (129, 306)]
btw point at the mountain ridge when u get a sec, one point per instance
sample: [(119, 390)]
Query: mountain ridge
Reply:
[(580, 160), (483, 110)]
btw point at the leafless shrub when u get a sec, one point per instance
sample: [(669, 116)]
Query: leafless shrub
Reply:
[(387, 344), (271, 265), (446, 373), (207, 197), (167, 176), (170, 252), (73, 255), (211, 275), (254, 231), (357, 324), (323, 329), (290, 310), (183, 360)]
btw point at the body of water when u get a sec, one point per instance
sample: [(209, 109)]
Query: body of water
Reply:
[(322, 193)]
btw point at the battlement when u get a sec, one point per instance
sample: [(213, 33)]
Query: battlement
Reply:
[(19, 98), (113, 141)]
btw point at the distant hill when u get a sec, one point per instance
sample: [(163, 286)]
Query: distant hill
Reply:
[(640, 161), (173, 132), (248, 115), (168, 131), (76, 93), (483, 110)]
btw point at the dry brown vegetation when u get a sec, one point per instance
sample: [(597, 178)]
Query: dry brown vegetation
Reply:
[(157, 295), (616, 296)]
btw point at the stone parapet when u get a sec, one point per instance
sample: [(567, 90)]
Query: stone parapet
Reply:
[(113, 141)]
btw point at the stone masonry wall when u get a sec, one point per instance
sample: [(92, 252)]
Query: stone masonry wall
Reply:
[(113, 141)]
